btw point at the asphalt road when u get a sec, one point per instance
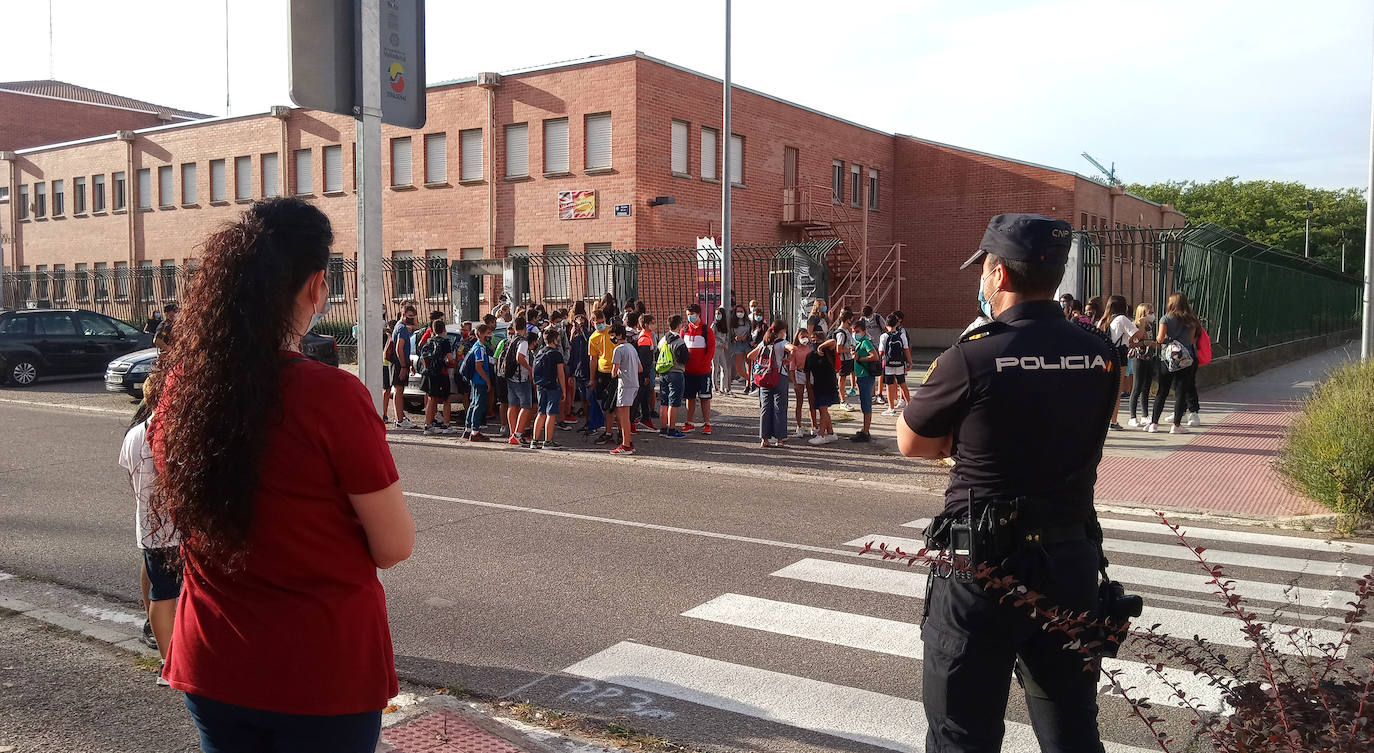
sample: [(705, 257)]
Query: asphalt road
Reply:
[(714, 608)]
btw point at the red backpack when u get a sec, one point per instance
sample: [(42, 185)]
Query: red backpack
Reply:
[(767, 372)]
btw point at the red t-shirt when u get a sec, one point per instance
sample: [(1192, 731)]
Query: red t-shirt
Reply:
[(302, 627), (701, 346)]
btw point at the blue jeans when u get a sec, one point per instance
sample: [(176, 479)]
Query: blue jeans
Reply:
[(773, 411), (477, 407), (596, 419), (550, 398), (866, 394), (226, 728)]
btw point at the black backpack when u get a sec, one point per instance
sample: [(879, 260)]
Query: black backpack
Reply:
[(432, 356), (508, 365), (546, 368), (894, 354)]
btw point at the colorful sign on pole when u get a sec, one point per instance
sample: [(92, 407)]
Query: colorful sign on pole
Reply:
[(577, 205)]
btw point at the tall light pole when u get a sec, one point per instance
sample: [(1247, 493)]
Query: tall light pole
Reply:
[(1367, 334), (1307, 232), (726, 164)]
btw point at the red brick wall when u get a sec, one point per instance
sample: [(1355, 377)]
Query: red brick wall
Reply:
[(945, 197), (26, 120)]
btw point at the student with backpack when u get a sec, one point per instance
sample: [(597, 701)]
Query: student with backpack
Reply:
[(643, 340), (701, 341), (436, 356), (844, 346), (670, 365), (867, 367), (825, 389), (549, 376), (1179, 332), (625, 371), (398, 355), (770, 377), (892, 346), (580, 365), (476, 368), (601, 390), (513, 365)]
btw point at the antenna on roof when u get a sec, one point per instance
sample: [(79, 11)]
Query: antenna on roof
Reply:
[(1108, 173), (51, 74), (226, 58)]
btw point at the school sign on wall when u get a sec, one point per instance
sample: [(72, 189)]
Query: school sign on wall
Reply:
[(577, 205)]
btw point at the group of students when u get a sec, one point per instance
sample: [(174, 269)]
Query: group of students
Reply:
[(534, 370), (1170, 350)]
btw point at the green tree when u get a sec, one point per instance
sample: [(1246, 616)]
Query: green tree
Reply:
[(1273, 212)]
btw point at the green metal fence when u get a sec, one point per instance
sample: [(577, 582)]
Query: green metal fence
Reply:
[(1248, 295)]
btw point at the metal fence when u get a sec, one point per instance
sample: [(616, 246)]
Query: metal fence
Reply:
[(128, 294), (1248, 295)]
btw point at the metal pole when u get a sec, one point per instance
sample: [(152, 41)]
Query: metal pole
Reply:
[(1367, 339), (227, 111), (726, 164), (1307, 237), (369, 143)]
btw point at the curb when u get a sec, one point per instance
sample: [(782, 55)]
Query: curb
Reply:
[(1316, 522)]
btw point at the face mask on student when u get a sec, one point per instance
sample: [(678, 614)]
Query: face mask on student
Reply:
[(804, 341), (693, 318), (319, 316), (600, 326), (758, 317), (824, 308), (719, 316)]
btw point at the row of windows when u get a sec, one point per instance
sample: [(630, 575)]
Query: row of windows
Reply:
[(837, 182), (709, 151), (33, 198), (86, 282)]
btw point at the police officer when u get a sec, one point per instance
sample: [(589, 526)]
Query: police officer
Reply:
[(1022, 405)]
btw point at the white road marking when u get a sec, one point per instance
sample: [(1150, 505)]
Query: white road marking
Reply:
[(1213, 626), (849, 713), (1174, 552), (1334, 546), (6, 576), (903, 639), (1251, 590), (112, 615)]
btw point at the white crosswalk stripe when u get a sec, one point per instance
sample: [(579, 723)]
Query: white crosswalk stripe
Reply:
[(849, 713), (903, 639), (897, 723)]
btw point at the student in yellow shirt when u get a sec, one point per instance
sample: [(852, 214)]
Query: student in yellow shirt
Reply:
[(599, 352)]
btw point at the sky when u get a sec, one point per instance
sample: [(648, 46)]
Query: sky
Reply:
[(1165, 90)]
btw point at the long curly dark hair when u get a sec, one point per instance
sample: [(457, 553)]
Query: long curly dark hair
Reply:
[(222, 394)]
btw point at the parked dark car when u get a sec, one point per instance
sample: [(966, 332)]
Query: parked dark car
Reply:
[(38, 343), (128, 373)]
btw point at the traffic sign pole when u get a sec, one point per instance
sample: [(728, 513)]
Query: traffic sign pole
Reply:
[(369, 142)]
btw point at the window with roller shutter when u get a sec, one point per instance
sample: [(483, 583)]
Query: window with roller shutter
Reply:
[(736, 159), (243, 177), (556, 146), (517, 150), (470, 146), (333, 169), (400, 162), (305, 172), (145, 188), (218, 187), (188, 183), (598, 131), (271, 179), (710, 153), (436, 158), (165, 187), (679, 148)]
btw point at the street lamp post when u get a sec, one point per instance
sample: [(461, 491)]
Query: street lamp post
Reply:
[(1307, 233)]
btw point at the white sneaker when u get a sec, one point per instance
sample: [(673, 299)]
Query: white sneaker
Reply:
[(831, 438), (799, 433), (846, 407), (1178, 429), (1133, 423), (1193, 419), (816, 441), (404, 423), (1152, 427), (432, 431), (901, 404), (890, 412)]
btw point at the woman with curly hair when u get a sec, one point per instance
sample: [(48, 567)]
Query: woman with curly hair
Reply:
[(274, 471)]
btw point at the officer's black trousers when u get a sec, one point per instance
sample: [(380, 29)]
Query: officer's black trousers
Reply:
[(972, 644)]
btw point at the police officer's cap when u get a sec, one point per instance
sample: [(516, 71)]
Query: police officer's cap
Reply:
[(1032, 238)]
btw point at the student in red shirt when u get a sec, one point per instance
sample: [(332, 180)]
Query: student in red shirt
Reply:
[(701, 346), (274, 471)]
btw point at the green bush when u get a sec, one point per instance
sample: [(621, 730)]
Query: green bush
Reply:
[(1328, 454)]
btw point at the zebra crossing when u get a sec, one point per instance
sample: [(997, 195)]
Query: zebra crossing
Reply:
[(1295, 581)]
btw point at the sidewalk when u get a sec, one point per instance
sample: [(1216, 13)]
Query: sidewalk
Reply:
[(1226, 465)]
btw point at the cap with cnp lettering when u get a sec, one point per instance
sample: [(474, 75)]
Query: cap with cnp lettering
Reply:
[(1032, 238)]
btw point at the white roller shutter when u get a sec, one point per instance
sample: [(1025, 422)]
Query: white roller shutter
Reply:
[(217, 180), (333, 168), (517, 150), (470, 142), (400, 162), (305, 172), (556, 146), (598, 141), (188, 183), (271, 180), (709, 153), (436, 157), (736, 158), (165, 188), (679, 147), (243, 177)]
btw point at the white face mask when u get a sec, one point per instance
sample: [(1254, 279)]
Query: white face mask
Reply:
[(803, 341), (318, 316)]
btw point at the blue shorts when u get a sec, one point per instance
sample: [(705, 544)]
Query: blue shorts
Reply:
[(697, 386), (670, 388), (164, 584), (519, 394), (550, 398), (226, 728), (866, 394)]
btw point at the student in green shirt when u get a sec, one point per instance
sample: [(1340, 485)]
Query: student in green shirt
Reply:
[(867, 366)]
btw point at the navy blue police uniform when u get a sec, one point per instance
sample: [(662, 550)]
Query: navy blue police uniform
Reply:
[(1026, 400)]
